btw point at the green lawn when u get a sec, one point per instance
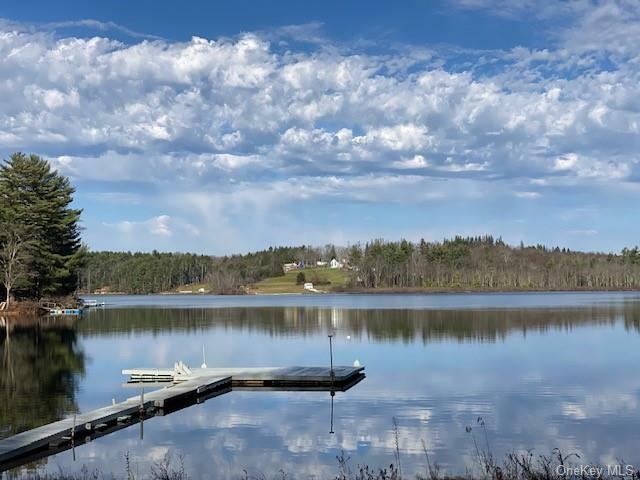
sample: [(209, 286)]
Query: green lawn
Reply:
[(287, 283)]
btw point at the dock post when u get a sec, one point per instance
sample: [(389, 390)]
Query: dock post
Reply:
[(73, 438), (331, 432), (331, 355), (142, 401), (142, 413)]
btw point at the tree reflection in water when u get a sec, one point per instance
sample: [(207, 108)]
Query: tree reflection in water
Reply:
[(39, 375), (379, 325)]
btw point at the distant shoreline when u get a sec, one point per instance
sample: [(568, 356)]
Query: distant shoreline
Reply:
[(377, 291), (416, 290)]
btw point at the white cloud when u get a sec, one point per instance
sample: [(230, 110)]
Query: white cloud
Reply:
[(101, 26), (417, 161), (527, 195), (566, 162), (200, 110), (161, 226), (249, 120), (404, 137), (589, 232)]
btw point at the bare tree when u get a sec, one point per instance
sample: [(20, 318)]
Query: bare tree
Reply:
[(11, 256)]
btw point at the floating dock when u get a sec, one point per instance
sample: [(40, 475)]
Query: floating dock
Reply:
[(286, 377), (185, 387), (55, 309), (92, 304)]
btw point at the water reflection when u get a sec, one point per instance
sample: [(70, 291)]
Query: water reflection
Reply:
[(378, 325), (561, 376), (41, 366)]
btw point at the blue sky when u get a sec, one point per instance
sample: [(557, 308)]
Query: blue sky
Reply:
[(229, 127)]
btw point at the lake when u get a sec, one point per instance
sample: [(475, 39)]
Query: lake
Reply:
[(542, 370)]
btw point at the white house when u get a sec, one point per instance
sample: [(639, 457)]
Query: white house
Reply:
[(335, 263), (320, 263), (288, 267)]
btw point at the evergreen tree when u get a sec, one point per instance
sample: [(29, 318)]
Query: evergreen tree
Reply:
[(35, 205)]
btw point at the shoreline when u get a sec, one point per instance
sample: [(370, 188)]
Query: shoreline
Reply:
[(440, 290), (379, 291)]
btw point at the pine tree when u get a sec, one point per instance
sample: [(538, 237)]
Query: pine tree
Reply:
[(35, 205)]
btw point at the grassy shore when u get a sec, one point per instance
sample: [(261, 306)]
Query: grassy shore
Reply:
[(21, 308), (325, 279)]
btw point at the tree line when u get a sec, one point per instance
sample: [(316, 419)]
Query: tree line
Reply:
[(40, 245), (485, 262), (154, 272), (480, 263)]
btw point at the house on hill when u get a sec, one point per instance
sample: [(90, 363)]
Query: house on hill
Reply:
[(289, 267)]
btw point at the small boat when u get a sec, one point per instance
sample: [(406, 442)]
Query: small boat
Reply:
[(55, 309)]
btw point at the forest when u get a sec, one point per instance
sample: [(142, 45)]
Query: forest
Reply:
[(486, 263), (128, 272), (461, 263)]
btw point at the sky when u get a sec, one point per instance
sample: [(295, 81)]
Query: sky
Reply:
[(227, 127)]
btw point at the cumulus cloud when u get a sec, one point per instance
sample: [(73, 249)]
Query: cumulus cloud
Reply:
[(417, 161), (245, 115), (204, 109)]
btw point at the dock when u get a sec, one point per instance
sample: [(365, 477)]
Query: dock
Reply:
[(65, 434), (92, 304), (180, 387), (286, 377), (55, 309)]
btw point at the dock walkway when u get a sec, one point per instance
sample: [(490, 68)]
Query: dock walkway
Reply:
[(62, 433)]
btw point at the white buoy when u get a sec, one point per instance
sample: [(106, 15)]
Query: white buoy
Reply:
[(356, 363), (348, 337), (204, 360)]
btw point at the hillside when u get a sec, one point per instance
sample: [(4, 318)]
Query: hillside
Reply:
[(287, 283), (461, 263)]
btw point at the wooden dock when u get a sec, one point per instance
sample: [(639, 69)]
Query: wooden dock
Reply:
[(287, 377), (64, 434), (184, 387)]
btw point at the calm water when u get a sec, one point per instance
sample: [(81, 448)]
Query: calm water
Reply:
[(542, 370)]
